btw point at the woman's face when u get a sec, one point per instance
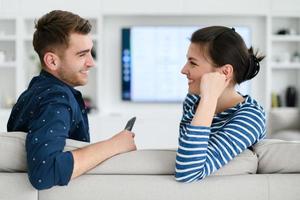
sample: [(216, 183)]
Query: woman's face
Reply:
[(197, 65)]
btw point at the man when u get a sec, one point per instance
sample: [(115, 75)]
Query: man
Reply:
[(51, 110)]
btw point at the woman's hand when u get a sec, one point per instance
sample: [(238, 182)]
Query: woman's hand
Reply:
[(213, 84)]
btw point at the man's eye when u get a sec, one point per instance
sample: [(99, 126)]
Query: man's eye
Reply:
[(81, 55)]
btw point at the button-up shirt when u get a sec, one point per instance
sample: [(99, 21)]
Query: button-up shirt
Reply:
[(50, 111)]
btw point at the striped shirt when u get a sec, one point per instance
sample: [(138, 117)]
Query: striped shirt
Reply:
[(203, 150)]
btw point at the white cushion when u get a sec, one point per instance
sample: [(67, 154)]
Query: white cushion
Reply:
[(13, 158), (288, 134), (278, 156)]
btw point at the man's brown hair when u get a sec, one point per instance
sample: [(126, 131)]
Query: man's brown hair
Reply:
[(53, 31)]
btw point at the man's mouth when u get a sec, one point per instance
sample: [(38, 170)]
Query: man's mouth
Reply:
[(84, 72), (190, 81)]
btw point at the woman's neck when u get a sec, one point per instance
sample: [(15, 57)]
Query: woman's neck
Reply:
[(229, 98)]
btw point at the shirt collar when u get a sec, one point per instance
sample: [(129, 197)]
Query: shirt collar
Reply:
[(48, 75)]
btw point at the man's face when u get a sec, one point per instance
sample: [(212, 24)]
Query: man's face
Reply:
[(76, 60)]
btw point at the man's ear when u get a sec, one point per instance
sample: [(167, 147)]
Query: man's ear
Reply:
[(227, 70), (51, 60)]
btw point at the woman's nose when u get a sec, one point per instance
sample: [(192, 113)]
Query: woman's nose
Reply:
[(184, 70)]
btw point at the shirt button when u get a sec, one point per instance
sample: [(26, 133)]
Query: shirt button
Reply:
[(40, 180), (44, 162)]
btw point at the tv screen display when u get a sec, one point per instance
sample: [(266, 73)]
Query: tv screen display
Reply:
[(152, 58)]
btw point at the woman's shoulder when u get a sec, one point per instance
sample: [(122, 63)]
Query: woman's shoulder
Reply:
[(251, 105)]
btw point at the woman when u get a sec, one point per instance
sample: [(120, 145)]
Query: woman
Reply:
[(218, 123)]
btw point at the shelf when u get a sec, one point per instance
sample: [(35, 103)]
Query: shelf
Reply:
[(282, 66), (8, 65), (7, 38), (284, 109), (286, 38)]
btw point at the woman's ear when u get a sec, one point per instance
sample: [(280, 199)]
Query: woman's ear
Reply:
[(51, 61), (227, 70)]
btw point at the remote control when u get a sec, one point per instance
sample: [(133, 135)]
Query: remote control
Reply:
[(130, 124)]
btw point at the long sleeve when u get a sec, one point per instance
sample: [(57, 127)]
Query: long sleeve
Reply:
[(203, 150), (48, 165), (50, 112)]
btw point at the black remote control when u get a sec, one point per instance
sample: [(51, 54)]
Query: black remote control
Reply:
[(130, 124)]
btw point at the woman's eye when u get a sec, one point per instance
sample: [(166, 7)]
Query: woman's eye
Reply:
[(192, 63)]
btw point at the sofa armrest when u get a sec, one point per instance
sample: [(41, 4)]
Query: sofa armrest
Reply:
[(278, 156), (283, 118)]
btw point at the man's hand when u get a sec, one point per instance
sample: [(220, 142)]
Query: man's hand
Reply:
[(123, 142), (90, 156)]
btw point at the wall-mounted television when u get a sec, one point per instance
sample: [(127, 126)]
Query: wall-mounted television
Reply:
[(152, 58)]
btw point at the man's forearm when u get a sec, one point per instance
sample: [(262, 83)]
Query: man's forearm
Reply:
[(90, 156)]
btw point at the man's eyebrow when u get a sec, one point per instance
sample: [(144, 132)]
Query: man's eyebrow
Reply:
[(83, 51)]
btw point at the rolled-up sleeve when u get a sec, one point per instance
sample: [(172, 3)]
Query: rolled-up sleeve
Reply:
[(48, 165)]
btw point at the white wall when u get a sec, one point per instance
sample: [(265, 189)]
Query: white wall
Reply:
[(157, 124)]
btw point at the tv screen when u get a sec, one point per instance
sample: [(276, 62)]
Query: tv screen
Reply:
[(152, 58)]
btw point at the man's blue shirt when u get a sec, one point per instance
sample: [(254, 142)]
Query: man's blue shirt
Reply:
[(50, 111)]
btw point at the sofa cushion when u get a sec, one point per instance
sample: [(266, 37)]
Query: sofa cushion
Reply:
[(278, 156), (13, 158), (288, 134)]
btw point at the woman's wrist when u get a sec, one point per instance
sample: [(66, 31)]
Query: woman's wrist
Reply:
[(205, 112)]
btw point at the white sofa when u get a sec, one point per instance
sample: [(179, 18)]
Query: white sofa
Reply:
[(270, 171)]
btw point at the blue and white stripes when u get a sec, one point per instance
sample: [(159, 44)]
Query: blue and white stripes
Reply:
[(203, 150)]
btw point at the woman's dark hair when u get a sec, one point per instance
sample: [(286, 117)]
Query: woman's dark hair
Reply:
[(53, 31), (223, 46)]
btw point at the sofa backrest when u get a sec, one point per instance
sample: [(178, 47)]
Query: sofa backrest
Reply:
[(149, 162), (269, 156)]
